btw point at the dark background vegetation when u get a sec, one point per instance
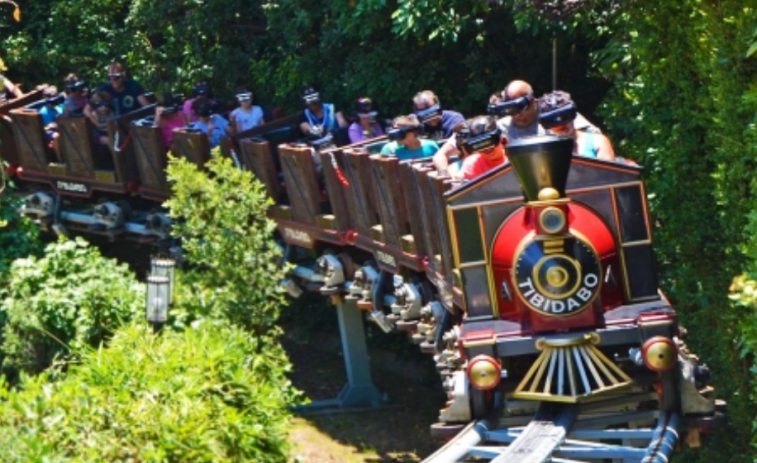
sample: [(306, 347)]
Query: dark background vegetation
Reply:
[(670, 81)]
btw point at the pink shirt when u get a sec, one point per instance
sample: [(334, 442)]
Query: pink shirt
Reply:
[(475, 165), (171, 122), (187, 109)]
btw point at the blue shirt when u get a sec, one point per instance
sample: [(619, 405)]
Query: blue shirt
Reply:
[(50, 114), (219, 128), (428, 148), (126, 100)]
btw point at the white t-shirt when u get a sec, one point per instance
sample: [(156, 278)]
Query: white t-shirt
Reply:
[(248, 119)]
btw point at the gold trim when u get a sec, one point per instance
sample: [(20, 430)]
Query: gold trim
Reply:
[(538, 285), (631, 244), (551, 202), (476, 263), (591, 338), (542, 218), (481, 343), (508, 168)]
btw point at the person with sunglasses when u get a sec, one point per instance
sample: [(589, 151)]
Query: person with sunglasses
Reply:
[(366, 126), (126, 94), (485, 143), (200, 91), (406, 144), (76, 96), (558, 114), (246, 116), (319, 118), (437, 123), (103, 111)]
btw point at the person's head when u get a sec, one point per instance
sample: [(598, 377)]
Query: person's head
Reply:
[(201, 90), (50, 93), (171, 104), (405, 129), (364, 111), (244, 97), (101, 101), (481, 135), (116, 75), (203, 109), (311, 98), (557, 113), (521, 94), (427, 108), (74, 85)]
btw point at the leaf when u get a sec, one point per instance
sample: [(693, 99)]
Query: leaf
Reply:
[(752, 49), (17, 14)]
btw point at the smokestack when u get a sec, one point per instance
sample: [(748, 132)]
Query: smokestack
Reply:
[(541, 162)]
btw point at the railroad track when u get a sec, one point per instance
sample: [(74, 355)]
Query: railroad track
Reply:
[(616, 428)]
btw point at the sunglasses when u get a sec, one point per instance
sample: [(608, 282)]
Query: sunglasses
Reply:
[(102, 105), (399, 133), (432, 112), (510, 107), (115, 76)]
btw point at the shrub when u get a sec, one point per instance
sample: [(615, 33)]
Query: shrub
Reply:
[(56, 304), (220, 217), (19, 237), (207, 394)]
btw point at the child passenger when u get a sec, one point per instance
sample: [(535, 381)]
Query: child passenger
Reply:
[(101, 102), (168, 117), (212, 125), (76, 98), (366, 126), (246, 116), (406, 144)]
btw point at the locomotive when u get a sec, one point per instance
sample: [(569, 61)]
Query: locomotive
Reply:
[(534, 282)]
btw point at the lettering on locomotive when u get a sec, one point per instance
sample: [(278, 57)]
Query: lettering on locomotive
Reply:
[(71, 186), (299, 236), (386, 259), (558, 284)]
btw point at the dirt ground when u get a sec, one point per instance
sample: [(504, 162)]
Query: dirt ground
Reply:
[(398, 432)]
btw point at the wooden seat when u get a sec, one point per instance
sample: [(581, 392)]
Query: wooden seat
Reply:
[(360, 197), (415, 243), (338, 188), (387, 186), (257, 156), (191, 145), (152, 160), (8, 147), (121, 146), (31, 141), (77, 146), (301, 183)]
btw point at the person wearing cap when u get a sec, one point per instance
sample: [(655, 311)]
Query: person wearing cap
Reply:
[(406, 144), (76, 98), (168, 116), (246, 116), (200, 91), (485, 142), (558, 114), (366, 126), (211, 124), (437, 123), (319, 118), (126, 95)]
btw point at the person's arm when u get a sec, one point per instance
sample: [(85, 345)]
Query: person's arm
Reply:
[(12, 88), (143, 100), (441, 158), (604, 147), (90, 113), (341, 120), (159, 121), (305, 127)]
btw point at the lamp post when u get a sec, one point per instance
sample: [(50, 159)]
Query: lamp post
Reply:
[(158, 298), (164, 266)]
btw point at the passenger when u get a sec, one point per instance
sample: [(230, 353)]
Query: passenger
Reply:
[(168, 117), (8, 90), (76, 98), (455, 170), (50, 112), (437, 123), (405, 142), (366, 126), (200, 91), (246, 116), (103, 111), (211, 124), (558, 113), (520, 110), (485, 142), (319, 118), (126, 94)]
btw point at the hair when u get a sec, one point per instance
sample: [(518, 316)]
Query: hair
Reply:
[(409, 121), (101, 97), (199, 106), (308, 89), (425, 96), (116, 67), (50, 91), (495, 98), (554, 100), (71, 79), (169, 99), (480, 124)]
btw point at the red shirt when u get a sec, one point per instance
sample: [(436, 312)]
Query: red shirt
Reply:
[(476, 164)]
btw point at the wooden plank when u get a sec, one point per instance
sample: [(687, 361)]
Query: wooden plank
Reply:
[(338, 187), (31, 141), (285, 121), (77, 146), (192, 145), (256, 155), (301, 182), (414, 204), (24, 100), (360, 196), (431, 226), (124, 159), (151, 156), (439, 186), (387, 185), (542, 436)]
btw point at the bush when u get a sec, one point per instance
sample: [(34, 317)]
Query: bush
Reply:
[(207, 394), (19, 237), (220, 216), (70, 298)]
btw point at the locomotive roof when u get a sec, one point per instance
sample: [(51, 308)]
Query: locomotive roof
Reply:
[(501, 184)]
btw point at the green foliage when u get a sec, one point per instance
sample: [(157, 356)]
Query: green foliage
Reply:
[(209, 394), (70, 298), (19, 237), (221, 218)]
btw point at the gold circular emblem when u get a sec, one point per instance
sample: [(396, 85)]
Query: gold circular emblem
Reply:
[(557, 277), (484, 374)]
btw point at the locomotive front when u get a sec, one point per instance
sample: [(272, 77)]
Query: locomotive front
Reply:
[(560, 294)]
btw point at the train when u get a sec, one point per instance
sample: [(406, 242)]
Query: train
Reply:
[(532, 284)]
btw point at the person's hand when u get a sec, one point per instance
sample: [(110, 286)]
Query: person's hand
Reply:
[(160, 110)]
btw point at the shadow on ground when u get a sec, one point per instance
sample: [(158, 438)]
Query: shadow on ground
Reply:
[(398, 432)]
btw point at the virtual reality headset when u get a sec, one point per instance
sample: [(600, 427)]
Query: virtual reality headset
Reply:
[(199, 90), (55, 100), (311, 98), (558, 116), (510, 107), (204, 111), (244, 96), (432, 112), (481, 142), (398, 133), (77, 86)]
